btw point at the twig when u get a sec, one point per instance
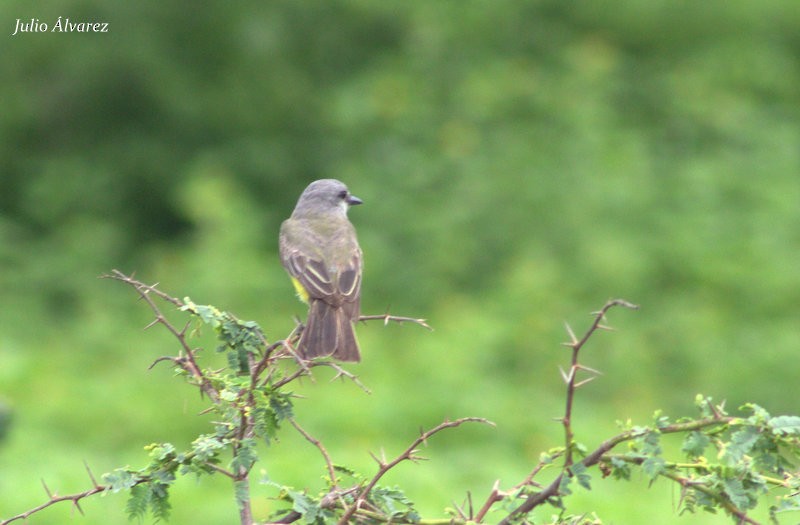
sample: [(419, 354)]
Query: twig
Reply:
[(341, 372), (495, 496), (386, 318), (74, 498), (119, 276), (570, 378), (52, 498), (187, 361), (409, 454), (317, 443), (572, 385)]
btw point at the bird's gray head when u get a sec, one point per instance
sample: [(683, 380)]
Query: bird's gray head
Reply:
[(325, 196)]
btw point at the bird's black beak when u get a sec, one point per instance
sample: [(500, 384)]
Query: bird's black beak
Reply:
[(352, 200)]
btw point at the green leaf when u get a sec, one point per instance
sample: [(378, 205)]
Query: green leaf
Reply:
[(136, 507), (704, 405), (241, 490), (347, 471), (759, 414), (148, 496), (245, 456), (159, 501), (695, 444), (207, 313), (304, 505), (621, 470), (161, 451), (563, 486), (653, 466), (579, 471), (394, 502), (281, 404), (229, 395), (785, 425), (737, 494), (120, 479), (651, 443), (660, 420), (207, 447), (741, 443)]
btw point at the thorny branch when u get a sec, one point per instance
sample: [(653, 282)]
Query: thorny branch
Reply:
[(409, 454), (186, 359), (322, 450), (572, 384), (54, 498), (571, 378), (361, 492)]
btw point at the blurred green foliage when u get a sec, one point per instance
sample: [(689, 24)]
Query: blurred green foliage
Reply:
[(520, 162)]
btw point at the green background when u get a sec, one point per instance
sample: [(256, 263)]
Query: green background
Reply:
[(520, 164)]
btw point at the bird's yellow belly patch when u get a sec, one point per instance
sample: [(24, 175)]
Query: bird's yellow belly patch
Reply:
[(301, 290)]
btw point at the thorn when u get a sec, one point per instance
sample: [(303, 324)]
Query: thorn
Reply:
[(422, 435), (590, 370), (606, 327), (381, 461), (377, 459), (78, 506), (152, 324), (47, 490), (414, 458), (571, 334), (91, 476), (715, 410), (460, 511), (626, 304), (587, 380), (563, 374), (163, 358)]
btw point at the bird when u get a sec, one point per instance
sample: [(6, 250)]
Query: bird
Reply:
[(319, 249)]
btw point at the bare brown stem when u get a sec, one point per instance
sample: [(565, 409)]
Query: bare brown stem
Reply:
[(186, 361), (322, 450), (409, 454)]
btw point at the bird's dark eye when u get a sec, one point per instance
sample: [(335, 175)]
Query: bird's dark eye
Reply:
[(343, 194)]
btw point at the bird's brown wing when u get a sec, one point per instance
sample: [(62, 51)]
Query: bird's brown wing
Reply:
[(335, 284)]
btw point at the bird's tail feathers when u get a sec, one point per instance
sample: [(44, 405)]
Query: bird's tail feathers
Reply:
[(329, 331)]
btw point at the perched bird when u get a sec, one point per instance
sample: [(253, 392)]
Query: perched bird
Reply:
[(319, 249)]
